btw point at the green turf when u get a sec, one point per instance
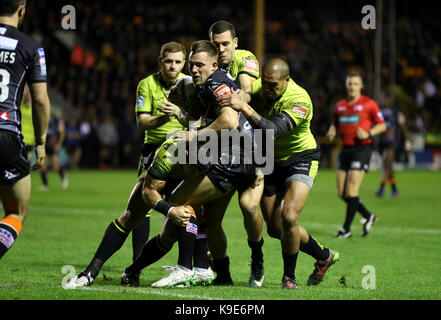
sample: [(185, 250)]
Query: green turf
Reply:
[(64, 228)]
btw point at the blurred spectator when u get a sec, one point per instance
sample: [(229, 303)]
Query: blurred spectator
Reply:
[(321, 41), (72, 142), (108, 139)]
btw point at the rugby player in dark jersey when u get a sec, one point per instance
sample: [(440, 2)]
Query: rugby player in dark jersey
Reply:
[(22, 60), (223, 177), (389, 145), (55, 138)]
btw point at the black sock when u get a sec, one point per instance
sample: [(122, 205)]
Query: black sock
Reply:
[(200, 257), (394, 187), (256, 250), (152, 252), (44, 177), (351, 209), (382, 185), (61, 173), (112, 241), (315, 249), (289, 264), (140, 236), (362, 209), (222, 267), (186, 241)]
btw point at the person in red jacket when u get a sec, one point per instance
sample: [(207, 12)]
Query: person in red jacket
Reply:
[(357, 118)]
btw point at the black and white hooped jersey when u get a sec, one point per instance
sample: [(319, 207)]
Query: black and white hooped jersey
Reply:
[(22, 60)]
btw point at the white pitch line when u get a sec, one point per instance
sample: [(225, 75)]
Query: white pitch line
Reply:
[(377, 227), (146, 291), (157, 292)]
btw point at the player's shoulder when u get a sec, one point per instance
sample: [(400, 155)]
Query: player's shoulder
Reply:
[(12, 37), (368, 101), (295, 92), (220, 77), (243, 54), (149, 81)]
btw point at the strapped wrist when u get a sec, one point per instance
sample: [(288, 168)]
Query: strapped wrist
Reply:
[(163, 207)]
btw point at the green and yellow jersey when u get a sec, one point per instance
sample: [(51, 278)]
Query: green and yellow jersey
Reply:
[(243, 62), (170, 162), (27, 127), (297, 104), (150, 93)]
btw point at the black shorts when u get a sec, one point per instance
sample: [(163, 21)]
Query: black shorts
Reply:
[(355, 157), (385, 145), (146, 159), (232, 177), (304, 169), (50, 149), (13, 158)]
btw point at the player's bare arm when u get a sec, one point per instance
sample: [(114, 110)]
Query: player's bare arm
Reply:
[(227, 119), (41, 110), (146, 121), (281, 124), (180, 215), (377, 129), (332, 132)]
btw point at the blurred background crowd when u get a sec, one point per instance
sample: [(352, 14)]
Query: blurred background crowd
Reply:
[(94, 70)]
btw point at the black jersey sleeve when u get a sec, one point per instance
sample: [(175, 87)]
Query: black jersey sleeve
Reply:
[(37, 68)]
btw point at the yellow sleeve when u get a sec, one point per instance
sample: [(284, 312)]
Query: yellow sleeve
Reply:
[(143, 97)]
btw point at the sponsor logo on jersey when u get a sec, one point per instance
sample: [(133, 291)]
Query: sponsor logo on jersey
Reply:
[(4, 115), (252, 65), (42, 61), (349, 119), (41, 52), (358, 107), (300, 111), (222, 90), (140, 101), (341, 108), (8, 43)]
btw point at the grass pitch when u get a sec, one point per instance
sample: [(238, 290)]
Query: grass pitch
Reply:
[(399, 260)]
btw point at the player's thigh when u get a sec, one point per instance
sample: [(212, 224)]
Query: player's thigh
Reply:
[(135, 203), (55, 161), (341, 182), (249, 199), (195, 191), (390, 155), (354, 180), (294, 200), (16, 196)]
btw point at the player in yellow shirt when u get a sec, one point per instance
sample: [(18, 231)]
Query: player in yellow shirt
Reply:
[(151, 92), (241, 64), (284, 107)]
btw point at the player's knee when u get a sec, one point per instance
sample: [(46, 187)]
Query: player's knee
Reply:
[(290, 215), (273, 231), (249, 210)]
